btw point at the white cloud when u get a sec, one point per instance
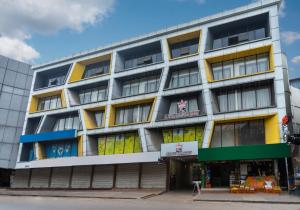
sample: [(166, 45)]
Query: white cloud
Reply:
[(19, 19), (17, 49), (296, 59), (289, 37)]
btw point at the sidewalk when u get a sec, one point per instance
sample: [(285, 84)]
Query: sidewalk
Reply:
[(283, 198), (107, 194)]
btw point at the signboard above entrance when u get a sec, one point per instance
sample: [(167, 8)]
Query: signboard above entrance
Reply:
[(179, 149)]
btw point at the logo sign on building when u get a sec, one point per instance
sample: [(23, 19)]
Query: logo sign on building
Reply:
[(179, 149)]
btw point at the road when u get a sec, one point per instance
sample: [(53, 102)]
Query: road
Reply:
[(157, 203)]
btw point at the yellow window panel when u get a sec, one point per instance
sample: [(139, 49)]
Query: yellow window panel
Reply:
[(199, 136), (110, 145), (101, 145), (189, 133), (137, 144), (119, 144), (129, 143), (167, 135)]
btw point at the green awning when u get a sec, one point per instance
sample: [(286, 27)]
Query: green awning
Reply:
[(249, 152)]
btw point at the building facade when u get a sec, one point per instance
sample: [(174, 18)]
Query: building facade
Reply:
[(15, 83), (198, 101)]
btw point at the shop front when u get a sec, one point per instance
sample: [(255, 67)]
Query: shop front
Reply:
[(180, 151), (183, 166), (251, 167)]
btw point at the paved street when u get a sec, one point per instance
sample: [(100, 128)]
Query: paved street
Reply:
[(163, 202)]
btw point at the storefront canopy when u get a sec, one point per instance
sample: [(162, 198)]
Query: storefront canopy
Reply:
[(248, 152)]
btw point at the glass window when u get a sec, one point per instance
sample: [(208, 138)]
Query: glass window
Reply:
[(126, 116), (152, 84), (183, 78), (228, 135), (260, 33), (61, 124), (101, 94), (263, 97), (173, 107), (135, 114), (81, 97), (262, 62), (217, 71), (227, 69), (239, 67), (146, 111), (249, 101), (119, 116), (222, 101), (41, 105), (194, 76), (217, 43), (76, 123), (232, 103), (94, 95), (193, 105), (216, 138), (134, 88), (96, 69), (53, 102), (241, 133), (87, 96), (98, 118), (251, 66), (126, 89), (69, 123), (174, 80), (47, 104), (143, 86)]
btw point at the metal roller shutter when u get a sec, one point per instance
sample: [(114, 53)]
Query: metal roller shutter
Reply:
[(81, 177), (40, 178), (127, 176), (60, 177), (103, 177), (21, 178), (153, 175)]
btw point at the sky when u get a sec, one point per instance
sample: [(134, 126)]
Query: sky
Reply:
[(38, 31)]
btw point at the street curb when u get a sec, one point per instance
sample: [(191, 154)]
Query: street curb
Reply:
[(248, 201), (72, 196)]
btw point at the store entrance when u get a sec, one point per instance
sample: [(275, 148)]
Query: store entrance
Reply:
[(182, 174), (220, 173)]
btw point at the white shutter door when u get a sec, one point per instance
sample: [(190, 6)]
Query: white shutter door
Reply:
[(60, 177), (103, 176), (21, 178), (81, 177), (40, 178), (127, 176), (153, 175)]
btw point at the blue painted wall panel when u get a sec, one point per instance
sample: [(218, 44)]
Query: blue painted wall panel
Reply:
[(49, 136)]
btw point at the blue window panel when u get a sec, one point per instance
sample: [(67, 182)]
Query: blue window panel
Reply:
[(67, 149), (74, 151), (52, 150), (60, 150)]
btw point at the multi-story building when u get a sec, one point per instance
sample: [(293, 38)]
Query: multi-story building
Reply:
[(15, 83), (203, 97)]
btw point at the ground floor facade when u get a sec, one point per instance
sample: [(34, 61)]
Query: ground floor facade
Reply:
[(131, 176)]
